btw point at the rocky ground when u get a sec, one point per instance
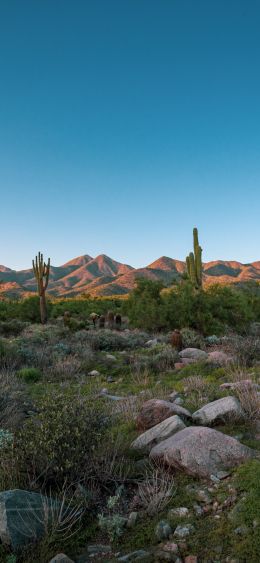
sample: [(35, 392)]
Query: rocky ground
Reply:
[(177, 475)]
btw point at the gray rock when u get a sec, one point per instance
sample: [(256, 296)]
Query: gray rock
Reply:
[(151, 343), (93, 372), (194, 354), (111, 357), (98, 548), (132, 519), (61, 558), (163, 530), (183, 531), (158, 433), (22, 517), (201, 451), (221, 410), (138, 555), (180, 512)]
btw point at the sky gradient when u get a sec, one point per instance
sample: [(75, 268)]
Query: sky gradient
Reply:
[(124, 123)]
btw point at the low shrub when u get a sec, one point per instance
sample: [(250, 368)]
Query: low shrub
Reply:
[(192, 339), (29, 375), (55, 445)]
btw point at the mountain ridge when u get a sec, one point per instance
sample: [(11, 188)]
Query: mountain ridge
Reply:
[(103, 275)]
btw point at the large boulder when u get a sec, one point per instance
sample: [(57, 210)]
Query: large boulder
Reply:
[(202, 452), (155, 411), (22, 517), (158, 433), (194, 354), (221, 410)]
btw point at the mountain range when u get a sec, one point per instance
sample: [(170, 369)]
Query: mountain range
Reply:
[(103, 276)]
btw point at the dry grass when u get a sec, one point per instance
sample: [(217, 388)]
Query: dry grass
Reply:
[(157, 490), (246, 391), (198, 390)]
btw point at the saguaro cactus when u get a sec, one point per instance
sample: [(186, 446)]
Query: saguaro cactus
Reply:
[(41, 271), (194, 262)]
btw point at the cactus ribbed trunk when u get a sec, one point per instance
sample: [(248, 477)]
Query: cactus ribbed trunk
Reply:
[(194, 262), (41, 272)]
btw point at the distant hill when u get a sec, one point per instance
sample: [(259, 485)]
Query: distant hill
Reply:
[(103, 276)]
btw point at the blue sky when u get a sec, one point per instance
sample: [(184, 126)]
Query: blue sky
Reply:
[(124, 123)]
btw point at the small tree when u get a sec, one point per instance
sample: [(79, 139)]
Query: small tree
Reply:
[(41, 271)]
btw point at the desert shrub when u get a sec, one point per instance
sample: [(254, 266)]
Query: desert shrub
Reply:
[(29, 375), (56, 443), (10, 356), (246, 350), (66, 368), (109, 340), (191, 339), (29, 309), (145, 306), (13, 401), (163, 360), (12, 327), (112, 523)]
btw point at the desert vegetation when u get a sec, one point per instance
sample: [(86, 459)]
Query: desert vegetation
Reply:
[(130, 429)]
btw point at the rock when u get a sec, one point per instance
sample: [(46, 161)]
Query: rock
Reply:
[(201, 451), (22, 517), (151, 343), (138, 555), (220, 358), (110, 379), (98, 549), (132, 519), (203, 496), (244, 383), (155, 411), (191, 559), (158, 433), (193, 354), (181, 512), (178, 365), (170, 547), (187, 361), (163, 530), (198, 510), (93, 373), (111, 357), (173, 396), (183, 531), (61, 558), (178, 401), (221, 410)]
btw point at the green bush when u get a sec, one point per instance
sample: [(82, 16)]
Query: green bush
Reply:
[(29, 375), (56, 445)]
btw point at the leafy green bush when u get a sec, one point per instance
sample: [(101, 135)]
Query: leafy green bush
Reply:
[(29, 375), (56, 444)]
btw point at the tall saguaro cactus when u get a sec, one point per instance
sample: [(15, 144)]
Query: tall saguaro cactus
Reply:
[(194, 262), (41, 271)]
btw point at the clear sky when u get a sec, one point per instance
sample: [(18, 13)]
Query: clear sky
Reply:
[(124, 123)]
